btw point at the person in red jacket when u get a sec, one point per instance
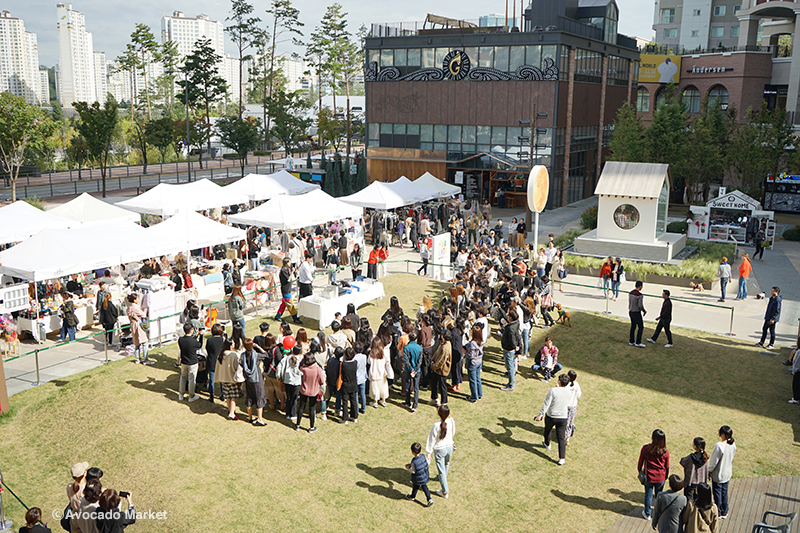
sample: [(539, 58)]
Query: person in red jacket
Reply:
[(605, 275), (372, 262), (383, 255), (654, 459)]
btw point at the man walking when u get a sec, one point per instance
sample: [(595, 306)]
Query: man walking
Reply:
[(760, 238), (636, 311), (664, 320), (771, 318), (724, 275), (306, 276)]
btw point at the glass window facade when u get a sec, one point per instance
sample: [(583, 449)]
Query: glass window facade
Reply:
[(691, 99), (642, 100)]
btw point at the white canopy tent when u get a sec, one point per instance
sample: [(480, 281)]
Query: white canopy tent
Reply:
[(409, 190), (166, 199), (53, 253), (378, 195), (189, 230), (263, 187), (89, 210), (431, 182), (20, 220), (299, 211)]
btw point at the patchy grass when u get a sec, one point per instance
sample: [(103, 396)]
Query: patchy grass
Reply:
[(209, 473)]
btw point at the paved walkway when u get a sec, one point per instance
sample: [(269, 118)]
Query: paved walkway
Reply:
[(748, 499), (580, 293)]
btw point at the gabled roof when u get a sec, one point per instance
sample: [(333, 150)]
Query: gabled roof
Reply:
[(642, 180)]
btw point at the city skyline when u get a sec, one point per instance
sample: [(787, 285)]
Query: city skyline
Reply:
[(111, 32)]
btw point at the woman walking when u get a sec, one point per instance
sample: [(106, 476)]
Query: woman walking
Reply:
[(654, 459), (137, 316), (108, 314), (227, 365), (310, 385), (560, 264), (555, 413), (572, 408), (744, 274), (236, 306), (546, 302), (380, 368), (440, 444), (721, 469), (695, 468), (701, 514), (617, 272), (473, 354)]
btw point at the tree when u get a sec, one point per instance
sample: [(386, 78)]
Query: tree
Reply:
[(627, 143), (244, 34), (240, 135), (285, 19), (138, 138), (315, 58), (309, 163), (146, 48), (363, 182), (707, 150), (667, 137), (22, 127), (161, 134), (205, 85), (332, 185), (78, 152), (288, 111), (165, 84), (129, 62), (97, 128), (348, 187), (200, 131), (329, 128)]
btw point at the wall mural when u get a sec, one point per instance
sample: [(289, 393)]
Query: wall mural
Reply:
[(457, 66)]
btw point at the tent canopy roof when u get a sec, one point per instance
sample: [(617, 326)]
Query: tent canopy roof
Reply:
[(167, 199), (20, 220), (189, 230), (266, 186), (88, 209), (298, 211), (642, 180), (431, 182)]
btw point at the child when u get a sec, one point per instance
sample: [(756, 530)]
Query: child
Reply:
[(419, 473), (547, 365)]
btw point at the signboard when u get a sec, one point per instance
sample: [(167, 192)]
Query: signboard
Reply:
[(538, 188), (782, 193), (659, 69), (441, 257), (734, 200)]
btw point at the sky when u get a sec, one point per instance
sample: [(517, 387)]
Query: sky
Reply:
[(112, 21)]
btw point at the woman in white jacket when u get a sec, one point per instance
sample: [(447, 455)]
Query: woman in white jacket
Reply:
[(380, 372), (572, 407), (721, 470), (440, 444)]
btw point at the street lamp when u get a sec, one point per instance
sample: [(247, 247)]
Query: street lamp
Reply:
[(186, 99), (534, 153)]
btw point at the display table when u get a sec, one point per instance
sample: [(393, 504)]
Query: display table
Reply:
[(323, 310), (51, 323)]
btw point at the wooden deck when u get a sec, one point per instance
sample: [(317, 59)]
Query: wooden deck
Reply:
[(748, 499)]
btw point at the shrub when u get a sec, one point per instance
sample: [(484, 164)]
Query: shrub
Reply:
[(677, 227), (231, 156), (36, 202), (565, 239), (261, 153), (589, 218), (792, 234)]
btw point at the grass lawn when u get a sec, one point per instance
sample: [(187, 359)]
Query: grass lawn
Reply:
[(212, 474)]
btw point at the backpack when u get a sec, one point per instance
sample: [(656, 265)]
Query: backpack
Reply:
[(275, 358)]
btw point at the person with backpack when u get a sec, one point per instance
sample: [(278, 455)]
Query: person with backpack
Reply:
[(69, 321), (441, 363), (668, 510), (274, 388)]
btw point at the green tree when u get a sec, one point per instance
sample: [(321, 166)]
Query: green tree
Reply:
[(707, 149), (165, 84), (309, 163), (316, 60), (667, 137), (138, 137), (240, 135), (97, 127), (627, 143), (129, 62), (22, 127), (332, 184), (348, 187), (244, 34), (146, 48), (77, 152), (200, 132), (285, 19), (288, 111), (205, 85), (363, 181), (329, 128), (161, 134)]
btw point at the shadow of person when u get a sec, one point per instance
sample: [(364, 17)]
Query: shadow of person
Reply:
[(505, 439), (522, 424), (634, 497), (619, 507), (395, 480)]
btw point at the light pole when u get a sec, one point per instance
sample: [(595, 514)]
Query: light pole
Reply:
[(186, 100), (534, 143)]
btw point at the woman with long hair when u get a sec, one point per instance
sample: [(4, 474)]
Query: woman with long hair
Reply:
[(227, 365), (440, 444), (394, 313), (744, 274), (701, 514), (289, 373), (251, 361), (213, 350), (301, 338), (310, 384), (236, 306), (457, 348), (654, 459), (473, 354), (441, 362), (108, 314), (356, 260), (695, 468), (572, 408), (560, 266), (380, 369), (275, 393), (349, 332), (721, 470), (617, 270), (137, 317)]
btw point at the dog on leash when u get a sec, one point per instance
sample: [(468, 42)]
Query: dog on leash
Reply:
[(697, 287), (563, 316)]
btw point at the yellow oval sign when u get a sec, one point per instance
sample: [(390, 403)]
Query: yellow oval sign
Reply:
[(538, 188)]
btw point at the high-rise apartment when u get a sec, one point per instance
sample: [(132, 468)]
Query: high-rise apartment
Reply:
[(100, 76), (19, 61), (687, 25), (186, 31), (76, 67)]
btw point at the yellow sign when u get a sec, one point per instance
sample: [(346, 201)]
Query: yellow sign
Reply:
[(538, 188), (659, 69)]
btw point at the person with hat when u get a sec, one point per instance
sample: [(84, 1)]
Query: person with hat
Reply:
[(251, 359), (75, 489)]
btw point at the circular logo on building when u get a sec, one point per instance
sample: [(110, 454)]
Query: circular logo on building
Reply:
[(456, 65)]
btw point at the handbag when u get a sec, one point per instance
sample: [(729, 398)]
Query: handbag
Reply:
[(339, 379), (562, 273), (643, 474), (66, 518), (238, 377), (622, 278)]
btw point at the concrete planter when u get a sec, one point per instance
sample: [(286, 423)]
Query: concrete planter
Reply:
[(653, 279)]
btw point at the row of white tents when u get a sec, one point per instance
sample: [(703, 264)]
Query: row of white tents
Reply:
[(86, 233)]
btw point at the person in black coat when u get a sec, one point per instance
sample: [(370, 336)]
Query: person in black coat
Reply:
[(349, 386), (108, 315), (111, 519), (664, 319), (33, 522)]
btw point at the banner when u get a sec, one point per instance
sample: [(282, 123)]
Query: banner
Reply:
[(441, 257), (659, 69)]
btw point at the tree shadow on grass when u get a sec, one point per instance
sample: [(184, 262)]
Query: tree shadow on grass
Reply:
[(619, 507), (395, 481), (505, 438)]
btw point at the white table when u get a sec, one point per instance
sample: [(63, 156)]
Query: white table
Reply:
[(323, 310), (51, 323)]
